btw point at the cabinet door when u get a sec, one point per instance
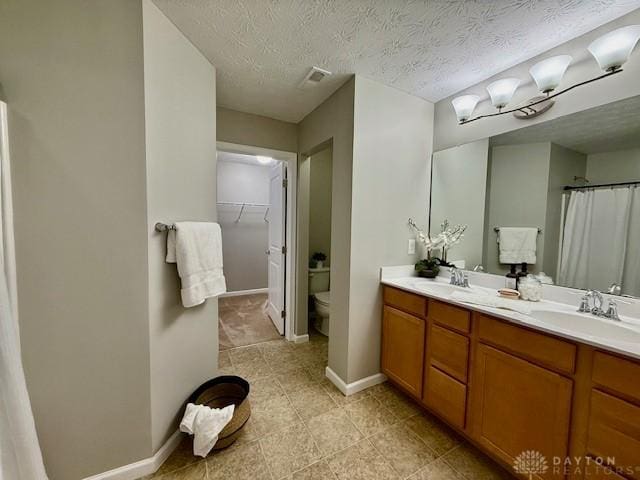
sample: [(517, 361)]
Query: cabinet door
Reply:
[(518, 407), (403, 349)]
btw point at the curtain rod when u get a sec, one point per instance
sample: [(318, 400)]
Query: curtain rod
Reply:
[(602, 185)]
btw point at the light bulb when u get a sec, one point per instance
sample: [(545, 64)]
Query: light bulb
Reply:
[(501, 91), (612, 50), (464, 106), (548, 73)]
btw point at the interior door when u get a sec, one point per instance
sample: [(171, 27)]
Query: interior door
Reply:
[(276, 251)]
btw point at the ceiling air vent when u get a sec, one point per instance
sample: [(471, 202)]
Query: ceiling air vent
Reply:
[(314, 77)]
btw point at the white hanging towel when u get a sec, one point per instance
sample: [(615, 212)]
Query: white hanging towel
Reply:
[(205, 424), (517, 244), (196, 248)]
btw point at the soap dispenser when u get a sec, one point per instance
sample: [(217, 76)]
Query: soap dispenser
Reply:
[(511, 278)]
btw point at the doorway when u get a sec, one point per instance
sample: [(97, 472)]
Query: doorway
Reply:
[(256, 205)]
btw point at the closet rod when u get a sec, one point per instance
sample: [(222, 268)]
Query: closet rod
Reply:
[(602, 185), (245, 204)]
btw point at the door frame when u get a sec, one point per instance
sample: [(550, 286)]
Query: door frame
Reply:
[(291, 280)]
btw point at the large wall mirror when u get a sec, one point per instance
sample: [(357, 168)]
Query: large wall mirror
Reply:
[(574, 181)]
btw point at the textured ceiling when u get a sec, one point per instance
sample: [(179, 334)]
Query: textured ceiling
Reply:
[(431, 48), (615, 126)]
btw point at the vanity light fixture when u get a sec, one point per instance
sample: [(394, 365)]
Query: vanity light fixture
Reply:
[(548, 73), (464, 106), (501, 91), (611, 51)]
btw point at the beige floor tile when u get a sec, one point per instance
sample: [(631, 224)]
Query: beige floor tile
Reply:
[(263, 389), (361, 462), (245, 354), (474, 465), (289, 450), (249, 433), (318, 371), (238, 462), (181, 457), (317, 471), (273, 414), (402, 449), (196, 471), (370, 416), (282, 361), (333, 431), (311, 401), (224, 360), (433, 432), (340, 398), (295, 380), (438, 470), (252, 370), (400, 404)]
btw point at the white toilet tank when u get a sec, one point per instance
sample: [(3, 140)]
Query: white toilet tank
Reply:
[(318, 280)]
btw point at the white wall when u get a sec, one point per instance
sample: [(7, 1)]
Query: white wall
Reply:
[(72, 75), (623, 85), (614, 167), (255, 130), (458, 189), (243, 243), (392, 149), (180, 115), (320, 204), (331, 123)]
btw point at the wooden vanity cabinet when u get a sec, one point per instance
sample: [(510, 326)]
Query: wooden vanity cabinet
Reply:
[(518, 406), (510, 389), (403, 339)]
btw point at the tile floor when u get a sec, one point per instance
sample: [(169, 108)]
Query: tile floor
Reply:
[(303, 428), (243, 321)]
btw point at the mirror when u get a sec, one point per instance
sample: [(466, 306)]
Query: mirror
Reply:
[(561, 196)]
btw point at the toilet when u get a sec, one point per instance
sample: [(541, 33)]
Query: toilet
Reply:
[(319, 290)]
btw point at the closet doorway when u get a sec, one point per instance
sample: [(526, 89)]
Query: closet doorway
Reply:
[(256, 205)]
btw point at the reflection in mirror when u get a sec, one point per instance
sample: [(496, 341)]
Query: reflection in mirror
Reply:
[(560, 197)]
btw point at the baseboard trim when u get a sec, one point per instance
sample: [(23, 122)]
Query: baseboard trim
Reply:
[(357, 386), (144, 467), (240, 293), (300, 338)]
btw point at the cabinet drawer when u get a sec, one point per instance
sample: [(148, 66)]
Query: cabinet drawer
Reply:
[(614, 432), (616, 374), (539, 348), (409, 302), (450, 316), (593, 471), (446, 396), (449, 352)]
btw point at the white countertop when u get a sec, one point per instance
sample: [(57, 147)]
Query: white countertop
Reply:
[(620, 337)]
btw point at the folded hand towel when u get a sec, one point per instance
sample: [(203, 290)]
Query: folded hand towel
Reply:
[(205, 424), (517, 245), (489, 301), (196, 247)]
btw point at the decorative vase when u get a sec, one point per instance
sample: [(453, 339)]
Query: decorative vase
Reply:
[(430, 273)]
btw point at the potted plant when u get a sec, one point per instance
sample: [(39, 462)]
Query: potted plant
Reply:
[(430, 266), (318, 259)]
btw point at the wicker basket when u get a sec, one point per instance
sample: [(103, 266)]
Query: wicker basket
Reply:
[(219, 393)]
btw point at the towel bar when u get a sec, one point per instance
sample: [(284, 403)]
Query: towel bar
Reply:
[(497, 229), (163, 227)]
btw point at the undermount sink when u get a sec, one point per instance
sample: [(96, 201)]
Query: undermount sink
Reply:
[(592, 326)]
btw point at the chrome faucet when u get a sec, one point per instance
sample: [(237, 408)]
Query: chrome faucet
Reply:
[(593, 301), (458, 277)]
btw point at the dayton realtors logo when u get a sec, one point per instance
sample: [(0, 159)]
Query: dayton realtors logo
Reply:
[(530, 462)]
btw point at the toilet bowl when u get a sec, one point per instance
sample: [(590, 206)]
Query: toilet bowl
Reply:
[(321, 301)]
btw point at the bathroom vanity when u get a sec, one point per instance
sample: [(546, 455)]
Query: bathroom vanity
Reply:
[(511, 384)]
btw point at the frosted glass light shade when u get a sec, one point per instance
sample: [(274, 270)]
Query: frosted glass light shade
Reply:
[(612, 50), (501, 91), (548, 73), (464, 106)]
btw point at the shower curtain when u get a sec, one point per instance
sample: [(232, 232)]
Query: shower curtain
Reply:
[(601, 227), (20, 457)]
